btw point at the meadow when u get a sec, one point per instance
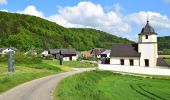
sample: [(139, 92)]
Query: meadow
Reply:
[(105, 85), (31, 67)]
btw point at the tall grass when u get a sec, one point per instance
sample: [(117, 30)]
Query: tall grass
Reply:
[(78, 64), (104, 85), (24, 73)]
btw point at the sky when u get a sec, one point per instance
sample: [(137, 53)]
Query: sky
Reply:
[(123, 18)]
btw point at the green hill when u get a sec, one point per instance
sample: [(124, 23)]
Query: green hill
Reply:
[(25, 32), (164, 42)]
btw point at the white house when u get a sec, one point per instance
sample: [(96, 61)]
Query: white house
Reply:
[(6, 50), (69, 54), (144, 54), (106, 53), (44, 53)]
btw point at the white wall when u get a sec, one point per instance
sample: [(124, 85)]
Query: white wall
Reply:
[(136, 69), (65, 58), (151, 38), (45, 53), (148, 51), (116, 60), (7, 50), (74, 58)]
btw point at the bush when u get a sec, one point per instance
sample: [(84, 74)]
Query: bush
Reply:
[(20, 58), (3, 58)]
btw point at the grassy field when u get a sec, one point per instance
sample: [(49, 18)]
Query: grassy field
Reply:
[(76, 64), (23, 73), (27, 72), (105, 85), (168, 61)]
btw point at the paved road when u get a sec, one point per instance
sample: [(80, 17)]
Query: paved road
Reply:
[(39, 89)]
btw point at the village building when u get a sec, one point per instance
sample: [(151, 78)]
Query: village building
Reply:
[(55, 53), (44, 53), (144, 54), (68, 54), (96, 52), (7, 50), (106, 54), (86, 54)]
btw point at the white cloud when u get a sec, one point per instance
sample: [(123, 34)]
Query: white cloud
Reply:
[(88, 14), (31, 10), (4, 10), (3, 1), (158, 21), (91, 15)]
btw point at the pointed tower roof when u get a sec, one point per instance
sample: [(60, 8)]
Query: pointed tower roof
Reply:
[(147, 30)]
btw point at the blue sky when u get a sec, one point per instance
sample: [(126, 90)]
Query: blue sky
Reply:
[(119, 17)]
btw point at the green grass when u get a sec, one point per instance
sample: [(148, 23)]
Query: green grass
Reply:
[(27, 72), (73, 64), (167, 61), (24, 73), (105, 85), (78, 64)]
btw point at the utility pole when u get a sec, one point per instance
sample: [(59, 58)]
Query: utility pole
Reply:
[(10, 62)]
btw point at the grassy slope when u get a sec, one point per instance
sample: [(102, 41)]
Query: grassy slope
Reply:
[(24, 73), (104, 85), (167, 61), (27, 72)]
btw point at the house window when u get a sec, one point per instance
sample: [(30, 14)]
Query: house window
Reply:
[(131, 62), (146, 36), (122, 61), (147, 62)]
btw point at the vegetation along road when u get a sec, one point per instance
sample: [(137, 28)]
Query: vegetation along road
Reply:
[(106, 85), (40, 89)]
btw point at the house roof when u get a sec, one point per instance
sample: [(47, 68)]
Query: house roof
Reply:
[(2, 49), (161, 62), (147, 30), (68, 51), (124, 50), (106, 52), (54, 51), (97, 51)]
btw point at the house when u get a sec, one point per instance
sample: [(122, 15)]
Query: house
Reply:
[(87, 54), (68, 54), (96, 52), (44, 53), (106, 54), (2, 50), (144, 54), (6, 50), (55, 53)]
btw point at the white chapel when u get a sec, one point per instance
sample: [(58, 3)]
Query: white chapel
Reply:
[(144, 53)]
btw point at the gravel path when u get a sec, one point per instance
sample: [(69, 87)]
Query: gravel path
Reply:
[(39, 89)]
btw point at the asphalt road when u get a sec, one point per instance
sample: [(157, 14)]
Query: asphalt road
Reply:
[(39, 89)]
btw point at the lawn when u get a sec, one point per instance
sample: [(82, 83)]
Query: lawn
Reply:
[(27, 72), (24, 73), (77, 64), (105, 85), (168, 61)]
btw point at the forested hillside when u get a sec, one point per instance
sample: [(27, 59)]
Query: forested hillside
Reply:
[(164, 42), (25, 32)]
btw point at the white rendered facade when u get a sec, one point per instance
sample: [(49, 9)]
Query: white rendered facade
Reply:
[(116, 61), (147, 47)]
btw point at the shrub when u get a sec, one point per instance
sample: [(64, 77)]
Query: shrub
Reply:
[(20, 58)]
